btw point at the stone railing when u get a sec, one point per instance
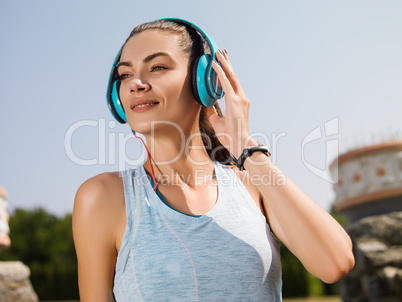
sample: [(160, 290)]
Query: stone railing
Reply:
[(377, 246)]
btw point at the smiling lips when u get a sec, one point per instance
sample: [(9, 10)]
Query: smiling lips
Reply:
[(142, 105)]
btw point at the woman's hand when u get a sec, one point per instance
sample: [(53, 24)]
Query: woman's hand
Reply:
[(232, 129)]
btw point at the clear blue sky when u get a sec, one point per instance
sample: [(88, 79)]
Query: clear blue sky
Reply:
[(301, 63)]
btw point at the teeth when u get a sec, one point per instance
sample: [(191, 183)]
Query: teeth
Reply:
[(143, 105)]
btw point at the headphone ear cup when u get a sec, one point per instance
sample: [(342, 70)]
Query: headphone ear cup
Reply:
[(201, 80), (214, 87), (115, 105), (194, 84)]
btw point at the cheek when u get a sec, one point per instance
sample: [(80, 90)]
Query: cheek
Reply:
[(178, 88), (123, 92)]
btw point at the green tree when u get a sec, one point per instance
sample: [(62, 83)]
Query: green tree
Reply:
[(44, 243)]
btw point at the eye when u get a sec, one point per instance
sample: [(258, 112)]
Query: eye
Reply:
[(158, 68), (123, 76)]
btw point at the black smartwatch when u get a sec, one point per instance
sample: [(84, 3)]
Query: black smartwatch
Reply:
[(248, 151)]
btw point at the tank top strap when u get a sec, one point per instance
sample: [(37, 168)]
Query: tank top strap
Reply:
[(128, 180)]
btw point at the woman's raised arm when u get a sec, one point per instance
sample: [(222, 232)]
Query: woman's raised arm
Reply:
[(308, 231)]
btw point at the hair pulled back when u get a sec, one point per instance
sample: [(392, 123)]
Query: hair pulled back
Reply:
[(190, 42)]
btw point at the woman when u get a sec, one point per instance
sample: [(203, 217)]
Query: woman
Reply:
[(205, 231)]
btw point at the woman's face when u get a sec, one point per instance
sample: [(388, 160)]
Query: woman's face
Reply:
[(154, 73)]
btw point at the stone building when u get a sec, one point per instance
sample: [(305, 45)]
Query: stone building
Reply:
[(369, 181)]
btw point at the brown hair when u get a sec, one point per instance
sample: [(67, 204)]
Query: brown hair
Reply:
[(190, 42)]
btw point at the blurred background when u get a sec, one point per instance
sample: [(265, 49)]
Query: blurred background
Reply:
[(323, 77)]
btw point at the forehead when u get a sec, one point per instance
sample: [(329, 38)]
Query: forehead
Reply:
[(152, 41)]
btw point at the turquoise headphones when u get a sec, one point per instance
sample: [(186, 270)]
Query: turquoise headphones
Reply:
[(204, 79)]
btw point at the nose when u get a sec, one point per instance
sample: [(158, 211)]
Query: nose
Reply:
[(139, 85)]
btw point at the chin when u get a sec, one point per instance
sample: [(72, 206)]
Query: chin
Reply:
[(154, 127)]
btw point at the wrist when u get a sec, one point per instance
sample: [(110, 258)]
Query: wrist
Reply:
[(257, 159), (247, 143), (261, 150)]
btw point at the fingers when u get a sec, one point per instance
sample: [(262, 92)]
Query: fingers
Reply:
[(225, 55), (226, 66), (226, 84)]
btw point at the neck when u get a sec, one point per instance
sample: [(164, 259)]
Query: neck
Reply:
[(178, 157)]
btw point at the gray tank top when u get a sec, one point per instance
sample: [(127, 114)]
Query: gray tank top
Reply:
[(227, 254)]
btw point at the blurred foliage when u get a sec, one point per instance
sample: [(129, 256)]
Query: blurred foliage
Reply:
[(44, 243), (294, 275), (342, 220), (298, 282)]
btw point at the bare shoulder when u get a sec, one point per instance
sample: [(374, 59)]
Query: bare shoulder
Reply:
[(100, 192), (99, 202), (101, 184)]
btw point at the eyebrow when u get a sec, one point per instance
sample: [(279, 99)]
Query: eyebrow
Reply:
[(146, 59)]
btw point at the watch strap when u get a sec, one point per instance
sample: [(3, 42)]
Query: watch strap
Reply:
[(247, 152)]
